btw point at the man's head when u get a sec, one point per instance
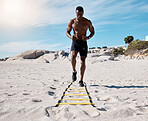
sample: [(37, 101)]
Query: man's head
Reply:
[(79, 12)]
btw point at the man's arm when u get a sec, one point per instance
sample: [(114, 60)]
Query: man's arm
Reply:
[(69, 28), (91, 29)]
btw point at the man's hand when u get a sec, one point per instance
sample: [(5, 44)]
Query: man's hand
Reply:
[(84, 38), (74, 38)]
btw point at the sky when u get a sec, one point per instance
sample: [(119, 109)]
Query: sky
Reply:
[(41, 24)]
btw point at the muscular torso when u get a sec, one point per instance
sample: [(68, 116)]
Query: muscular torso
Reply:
[(80, 27)]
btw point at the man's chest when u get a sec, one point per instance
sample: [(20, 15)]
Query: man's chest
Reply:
[(80, 25)]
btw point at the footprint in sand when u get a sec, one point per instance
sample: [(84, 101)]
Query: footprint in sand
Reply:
[(43, 84), (101, 109), (11, 94), (68, 114), (36, 100), (127, 98), (50, 93), (55, 80), (142, 109), (52, 88), (26, 94)]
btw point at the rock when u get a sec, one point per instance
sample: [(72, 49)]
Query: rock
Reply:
[(62, 53), (95, 55), (100, 59), (106, 52), (89, 51), (41, 60), (30, 54), (112, 58), (50, 57), (4, 59), (17, 57)]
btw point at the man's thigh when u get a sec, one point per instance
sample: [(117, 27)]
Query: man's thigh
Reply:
[(83, 58), (74, 53), (84, 51)]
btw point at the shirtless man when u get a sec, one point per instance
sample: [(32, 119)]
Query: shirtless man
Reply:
[(79, 41)]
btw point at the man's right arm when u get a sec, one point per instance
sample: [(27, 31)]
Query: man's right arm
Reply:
[(69, 28)]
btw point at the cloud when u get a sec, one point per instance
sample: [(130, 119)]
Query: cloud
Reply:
[(144, 8), (11, 48), (102, 11), (101, 30), (22, 13), (48, 12)]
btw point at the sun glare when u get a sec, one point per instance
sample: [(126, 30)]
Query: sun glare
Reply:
[(15, 13), (13, 7)]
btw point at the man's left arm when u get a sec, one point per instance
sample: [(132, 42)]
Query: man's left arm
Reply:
[(91, 29)]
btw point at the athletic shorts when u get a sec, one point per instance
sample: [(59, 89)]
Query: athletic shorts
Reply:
[(80, 46)]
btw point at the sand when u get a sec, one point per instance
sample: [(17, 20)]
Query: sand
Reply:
[(119, 90)]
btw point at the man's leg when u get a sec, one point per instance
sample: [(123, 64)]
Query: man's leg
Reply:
[(83, 66), (73, 60)]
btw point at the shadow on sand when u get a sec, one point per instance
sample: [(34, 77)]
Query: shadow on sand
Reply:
[(118, 87)]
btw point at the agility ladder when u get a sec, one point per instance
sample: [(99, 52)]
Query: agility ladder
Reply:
[(81, 89)]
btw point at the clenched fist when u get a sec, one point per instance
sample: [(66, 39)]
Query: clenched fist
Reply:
[(84, 38), (74, 38)]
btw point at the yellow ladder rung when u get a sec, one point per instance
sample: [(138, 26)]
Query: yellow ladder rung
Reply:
[(75, 94), (75, 103), (75, 91), (76, 99)]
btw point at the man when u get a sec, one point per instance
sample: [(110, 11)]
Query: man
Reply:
[(79, 41)]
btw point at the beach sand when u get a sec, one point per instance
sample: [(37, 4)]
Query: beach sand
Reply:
[(119, 90)]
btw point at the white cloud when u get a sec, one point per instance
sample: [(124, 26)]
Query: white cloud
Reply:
[(102, 11), (144, 8), (46, 12), (101, 30), (10, 48)]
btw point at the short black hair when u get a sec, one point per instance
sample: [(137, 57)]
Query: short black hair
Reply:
[(80, 8)]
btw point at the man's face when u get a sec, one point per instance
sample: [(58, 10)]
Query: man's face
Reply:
[(79, 14)]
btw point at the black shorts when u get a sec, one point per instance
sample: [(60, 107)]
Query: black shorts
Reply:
[(80, 46)]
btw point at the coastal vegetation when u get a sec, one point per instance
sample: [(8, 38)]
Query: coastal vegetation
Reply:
[(136, 46)]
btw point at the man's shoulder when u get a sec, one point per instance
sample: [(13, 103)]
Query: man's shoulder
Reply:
[(72, 20), (86, 19)]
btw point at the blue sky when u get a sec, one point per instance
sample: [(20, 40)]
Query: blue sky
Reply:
[(41, 24)]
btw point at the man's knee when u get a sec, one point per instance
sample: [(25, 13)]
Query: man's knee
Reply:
[(82, 61), (73, 57)]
